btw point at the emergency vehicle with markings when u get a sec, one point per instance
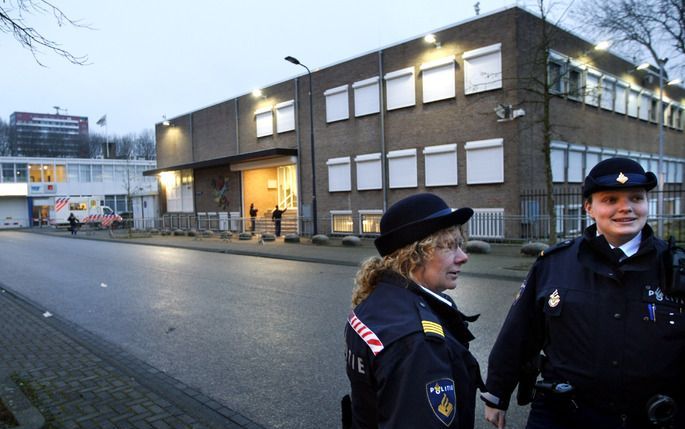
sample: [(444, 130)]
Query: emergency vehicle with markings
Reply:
[(88, 210)]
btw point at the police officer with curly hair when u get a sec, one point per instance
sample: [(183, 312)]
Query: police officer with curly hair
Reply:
[(407, 343), (612, 338)]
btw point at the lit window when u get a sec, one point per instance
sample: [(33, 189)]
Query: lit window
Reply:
[(485, 161), (339, 176), (366, 100), (370, 221), (483, 69), (264, 120), (285, 116), (337, 104), (341, 222), (400, 89), (438, 79)]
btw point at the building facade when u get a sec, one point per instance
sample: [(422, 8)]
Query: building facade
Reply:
[(29, 188), (461, 117), (48, 135)]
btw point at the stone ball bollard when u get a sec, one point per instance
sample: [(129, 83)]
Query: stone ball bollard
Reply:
[(320, 239), (351, 241), (291, 238), (533, 248), (478, 246)]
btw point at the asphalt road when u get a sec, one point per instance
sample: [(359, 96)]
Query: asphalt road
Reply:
[(261, 336)]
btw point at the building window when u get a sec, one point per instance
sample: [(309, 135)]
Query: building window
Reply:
[(264, 120), (97, 173), (370, 221), (557, 156), (337, 104), (84, 173), (179, 190), (555, 75), (8, 172), (441, 165), (339, 177), (483, 69), (574, 83), (633, 102), (485, 161), (22, 173), (607, 92), (575, 166), (645, 105), (366, 101), (341, 222), (402, 168), (400, 89), (369, 172), (621, 97), (108, 173), (592, 87), (285, 116), (438, 79)]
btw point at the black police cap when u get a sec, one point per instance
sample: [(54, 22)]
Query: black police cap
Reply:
[(414, 218), (617, 173)]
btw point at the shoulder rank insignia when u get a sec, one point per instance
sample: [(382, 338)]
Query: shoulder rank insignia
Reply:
[(366, 334), (432, 328), (622, 178), (442, 399), (554, 299)]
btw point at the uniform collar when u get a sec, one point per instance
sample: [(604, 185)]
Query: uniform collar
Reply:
[(435, 295), (630, 248)]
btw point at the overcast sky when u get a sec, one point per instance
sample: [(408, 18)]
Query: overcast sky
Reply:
[(150, 58)]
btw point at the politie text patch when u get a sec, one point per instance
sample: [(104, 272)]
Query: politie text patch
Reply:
[(442, 399)]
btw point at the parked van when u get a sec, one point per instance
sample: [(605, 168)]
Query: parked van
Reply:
[(88, 210)]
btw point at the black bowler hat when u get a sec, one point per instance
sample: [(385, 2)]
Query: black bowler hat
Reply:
[(415, 218), (616, 174)]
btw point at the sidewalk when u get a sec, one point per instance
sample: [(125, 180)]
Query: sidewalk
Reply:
[(78, 380)]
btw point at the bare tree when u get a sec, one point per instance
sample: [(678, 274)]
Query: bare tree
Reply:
[(15, 19), (642, 28), (145, 145)]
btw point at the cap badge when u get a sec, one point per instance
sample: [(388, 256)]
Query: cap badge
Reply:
[(622, 178), (554, 299)]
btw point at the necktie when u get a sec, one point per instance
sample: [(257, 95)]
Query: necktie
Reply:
[(618, 253)]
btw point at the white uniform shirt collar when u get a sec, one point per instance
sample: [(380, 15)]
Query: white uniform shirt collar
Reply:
[(630, 248), (430, 292)]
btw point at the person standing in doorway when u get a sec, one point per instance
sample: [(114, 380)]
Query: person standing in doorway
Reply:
[(276, 217), (253, 216)]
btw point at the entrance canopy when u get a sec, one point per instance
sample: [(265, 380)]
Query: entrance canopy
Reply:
[(261, 155)]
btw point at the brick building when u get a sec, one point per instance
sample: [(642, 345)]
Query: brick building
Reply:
[(460, 117)]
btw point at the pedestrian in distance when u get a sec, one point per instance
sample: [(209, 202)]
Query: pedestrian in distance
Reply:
[(407, 353), (253, 216), (73, 223), (276, 216), (607, 318)]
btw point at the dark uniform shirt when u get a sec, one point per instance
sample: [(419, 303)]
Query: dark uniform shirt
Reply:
[(603, 323), (408, 360)]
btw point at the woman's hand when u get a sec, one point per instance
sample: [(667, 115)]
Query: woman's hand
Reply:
[(496, 417)]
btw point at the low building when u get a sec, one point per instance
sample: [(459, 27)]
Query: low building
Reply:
[(460, 115), (29, 187)]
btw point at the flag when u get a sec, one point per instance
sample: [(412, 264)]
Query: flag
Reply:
[(102, 121)]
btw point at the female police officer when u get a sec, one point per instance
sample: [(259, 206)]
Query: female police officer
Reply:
[(407, 344), (613, 342)]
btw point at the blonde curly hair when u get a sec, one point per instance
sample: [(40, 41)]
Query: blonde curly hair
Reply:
[(402, 261)]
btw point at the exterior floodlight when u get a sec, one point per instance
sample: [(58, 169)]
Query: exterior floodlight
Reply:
[(675, 81), (257, 93), (603, 45), (430, 38), (643, 66), (165, 122)]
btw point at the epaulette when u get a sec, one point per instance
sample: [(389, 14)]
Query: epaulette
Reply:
[(551, 249), (429, 322)]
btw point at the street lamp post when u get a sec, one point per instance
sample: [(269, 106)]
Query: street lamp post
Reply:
[(311, 139)]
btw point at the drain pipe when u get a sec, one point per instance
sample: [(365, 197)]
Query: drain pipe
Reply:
[(382, 134)]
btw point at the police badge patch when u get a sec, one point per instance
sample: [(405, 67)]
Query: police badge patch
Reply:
[(442, 399)]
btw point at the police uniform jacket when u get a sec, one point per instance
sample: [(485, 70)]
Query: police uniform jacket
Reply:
[(408, 360), (604, 325)]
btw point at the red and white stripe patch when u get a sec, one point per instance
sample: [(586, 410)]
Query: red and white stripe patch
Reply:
[(103, 220), (60, 203), (365, 333)]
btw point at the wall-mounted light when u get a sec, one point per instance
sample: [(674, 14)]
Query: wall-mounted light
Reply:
[(676, 81), (643, 66), (166, 122), (258, 93), (603, 45), (431, 38)]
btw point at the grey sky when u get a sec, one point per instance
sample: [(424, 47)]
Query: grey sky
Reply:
[(150, 58)]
